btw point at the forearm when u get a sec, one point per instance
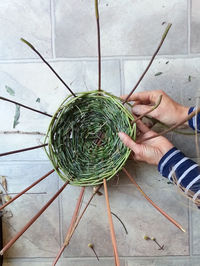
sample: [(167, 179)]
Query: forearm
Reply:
[(175, 165), (194, 122)]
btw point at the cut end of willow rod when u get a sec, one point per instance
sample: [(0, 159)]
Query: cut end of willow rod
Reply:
[(96, 9), (166, 31), (28, 43)]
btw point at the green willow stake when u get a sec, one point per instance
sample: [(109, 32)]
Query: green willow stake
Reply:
[(151, 61), (99, 43), (34, 49)]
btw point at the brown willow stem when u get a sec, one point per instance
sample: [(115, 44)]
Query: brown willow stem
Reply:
[(152, 109), (22, 150), (25, 106), (152, 203), (26, 189), (151, 61), (112, 231), (99, 44), (12, 241), (173, 127), (74, 218), (67, 239), (34, 49)]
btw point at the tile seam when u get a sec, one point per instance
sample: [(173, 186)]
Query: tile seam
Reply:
[(109, 58), (52, 17)]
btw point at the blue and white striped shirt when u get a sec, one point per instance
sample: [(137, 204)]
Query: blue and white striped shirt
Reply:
[(185, 170)]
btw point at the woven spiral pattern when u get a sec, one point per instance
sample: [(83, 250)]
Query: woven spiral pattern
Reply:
[(83, 143)]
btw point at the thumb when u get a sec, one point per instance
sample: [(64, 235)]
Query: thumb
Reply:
[(129, 142), (141, 109)]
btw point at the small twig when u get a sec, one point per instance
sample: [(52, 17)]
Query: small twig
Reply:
[(152, 203), (112, 231), (12, 241), (22, 150), (154, 239), (25, 190), (23, 132), (152, 109), (92, 248), (173, 127), (99, 44), (151, 61), (34, 49), (120, 222), (25, 106), (160, 247)]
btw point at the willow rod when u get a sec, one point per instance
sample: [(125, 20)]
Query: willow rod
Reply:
[(26, 189), (152, 203), (74, 218), (151, 61), (147, 112), (12, 241), (112, 231), (99, 43), (22, 150), (25, 106), (66, 242), (173, 127), (34, 49)]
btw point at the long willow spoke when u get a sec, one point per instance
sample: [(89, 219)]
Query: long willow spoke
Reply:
[(26, 189), (12, 241), (34, 49), (67, 239), (99, 44), (22, 150), (152, 203), (192, 114), (151, 61), (25, 106), (74, 218), (112, 231)]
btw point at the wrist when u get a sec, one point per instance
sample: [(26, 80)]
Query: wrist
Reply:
[(183, 114)]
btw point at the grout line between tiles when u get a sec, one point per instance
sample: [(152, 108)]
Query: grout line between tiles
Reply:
[(52, 16), (104, 58), (189, 26)]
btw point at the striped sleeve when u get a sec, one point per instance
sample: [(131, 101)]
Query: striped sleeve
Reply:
[(194, 122), (186, 171)]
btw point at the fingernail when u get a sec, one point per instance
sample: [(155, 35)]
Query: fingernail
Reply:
[(121, 135), (135, 109)]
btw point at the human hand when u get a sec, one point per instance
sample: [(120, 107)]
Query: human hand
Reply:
[(168, 112), (149, 151)]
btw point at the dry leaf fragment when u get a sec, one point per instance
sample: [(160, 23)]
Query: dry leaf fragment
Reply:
[(158, 74), (4, 182), (10, 90), (7, 198), (17, 116)]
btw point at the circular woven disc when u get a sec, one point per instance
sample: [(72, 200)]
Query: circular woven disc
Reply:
[(83, 143)]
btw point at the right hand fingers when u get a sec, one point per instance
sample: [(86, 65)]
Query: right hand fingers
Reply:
[(145, 97), (129, 142), (141, 109)]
